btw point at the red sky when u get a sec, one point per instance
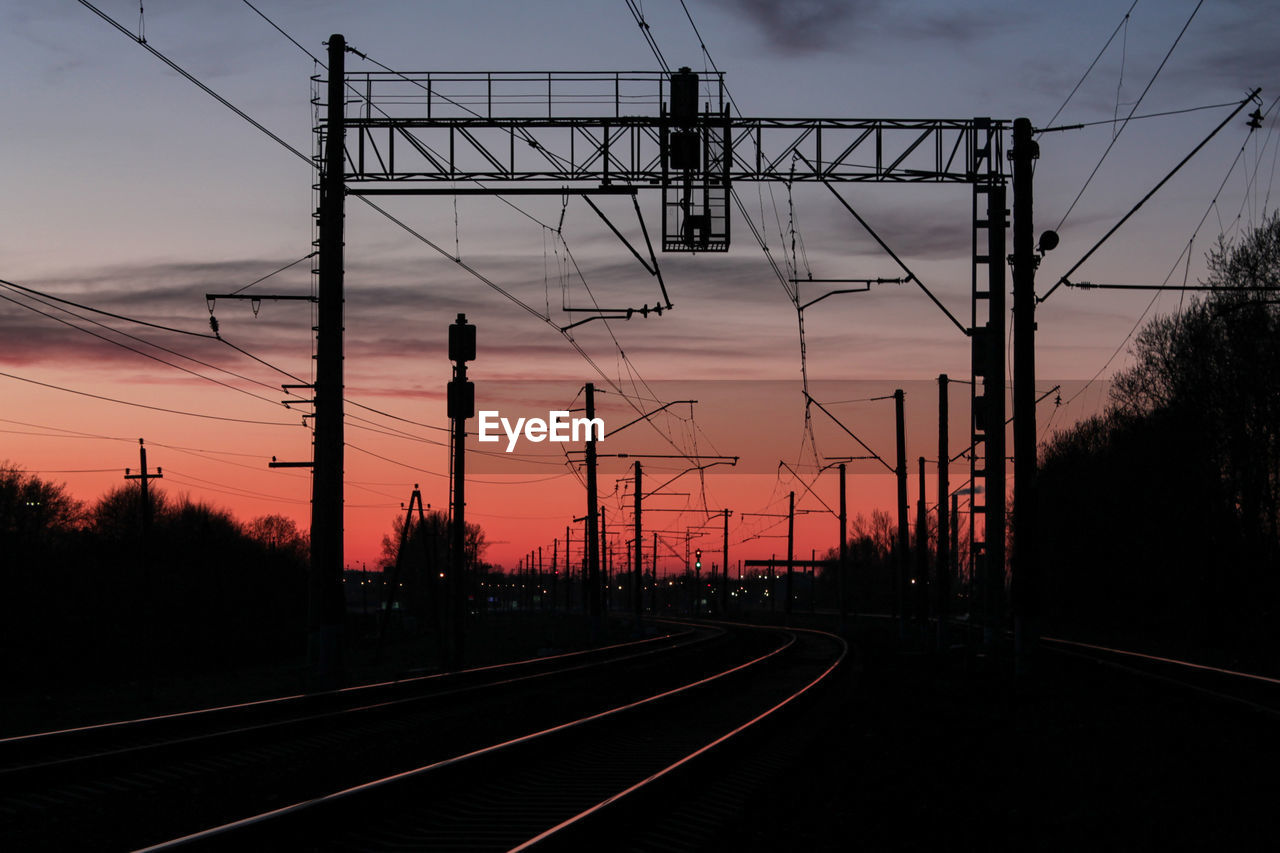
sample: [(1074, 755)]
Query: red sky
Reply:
[(170, 196)]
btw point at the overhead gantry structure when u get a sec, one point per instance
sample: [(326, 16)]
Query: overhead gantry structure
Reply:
[(609, 133)]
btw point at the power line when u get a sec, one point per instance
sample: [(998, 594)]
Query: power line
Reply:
[(156, 358), (226, 488), (213, 337), (190, 78), (1136, 103), (314, 58), (1079, 83), (144, 405), (648, 36), (83, 307), (273, 272), (311, 164), (60, 470), (1064, 279), (1162, 114), (1187, 251)]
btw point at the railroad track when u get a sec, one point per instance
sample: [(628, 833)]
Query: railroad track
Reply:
[(1244, 689), (505, 753), (120, 785)]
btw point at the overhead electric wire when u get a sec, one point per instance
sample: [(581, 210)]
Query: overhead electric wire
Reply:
[(1213, 203), (456, 257), (198, 452), (396, 417), (273, 272), (72, 433), (192, 79), (1080, 82), (156, 358), (28, 290), (1064, 278), (648, 36), (83, 307), (1136, 103), (39, 296), (296, 44), (42, 295), (20, 470), (169, 471), (313, 166), (144, 405), (1161, 114)]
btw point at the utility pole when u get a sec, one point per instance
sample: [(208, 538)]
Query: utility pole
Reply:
[(791, 541), (325, 599), (943, 567), (639, 549), (592, 538), (773, 559), (653, 591), (991, 404), (555, 571), (903, 541), (147, 635), (415, 499), (955, 536), (583, 574), (143, 477), (813, 579), (841, 589), (696, 604), (686, 152), (462, 405), (724, 572), (603, 575), (1024, 565), (922, 557)]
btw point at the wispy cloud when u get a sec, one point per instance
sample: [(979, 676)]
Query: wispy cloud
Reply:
[(803, 26), (815, 26)]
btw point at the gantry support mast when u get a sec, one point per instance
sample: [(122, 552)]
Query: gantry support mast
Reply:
[(604, 133)]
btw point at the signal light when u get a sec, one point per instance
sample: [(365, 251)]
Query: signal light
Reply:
[(697, 559)]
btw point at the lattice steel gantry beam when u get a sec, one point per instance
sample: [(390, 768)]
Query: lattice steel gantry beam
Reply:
[(629, 149), (620, 132)]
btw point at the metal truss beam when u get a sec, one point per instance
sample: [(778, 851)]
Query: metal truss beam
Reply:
[(629, 149)]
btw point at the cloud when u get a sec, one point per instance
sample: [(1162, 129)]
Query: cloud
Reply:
[(814, 26), (803, 26)]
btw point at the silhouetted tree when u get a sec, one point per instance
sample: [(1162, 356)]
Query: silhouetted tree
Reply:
[(32, 509), (280, 532), (91, 597), (417, 559), (1161, 515)]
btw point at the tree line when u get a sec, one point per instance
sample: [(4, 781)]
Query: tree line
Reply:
[(1159, 517), (95, 592)]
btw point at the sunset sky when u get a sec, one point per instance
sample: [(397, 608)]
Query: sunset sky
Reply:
[(129, 190)]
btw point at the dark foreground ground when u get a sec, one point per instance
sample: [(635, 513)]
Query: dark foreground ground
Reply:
[(63, 702), (908, 752), (929, 755)]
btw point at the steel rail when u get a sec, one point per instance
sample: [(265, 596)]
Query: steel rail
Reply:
[(338, 712), (327, 799), (334, 692), (586, 813)]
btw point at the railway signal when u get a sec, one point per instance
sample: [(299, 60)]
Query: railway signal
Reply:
[(462, 405)]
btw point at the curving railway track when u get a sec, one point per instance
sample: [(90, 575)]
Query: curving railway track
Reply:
[(531, 753)]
